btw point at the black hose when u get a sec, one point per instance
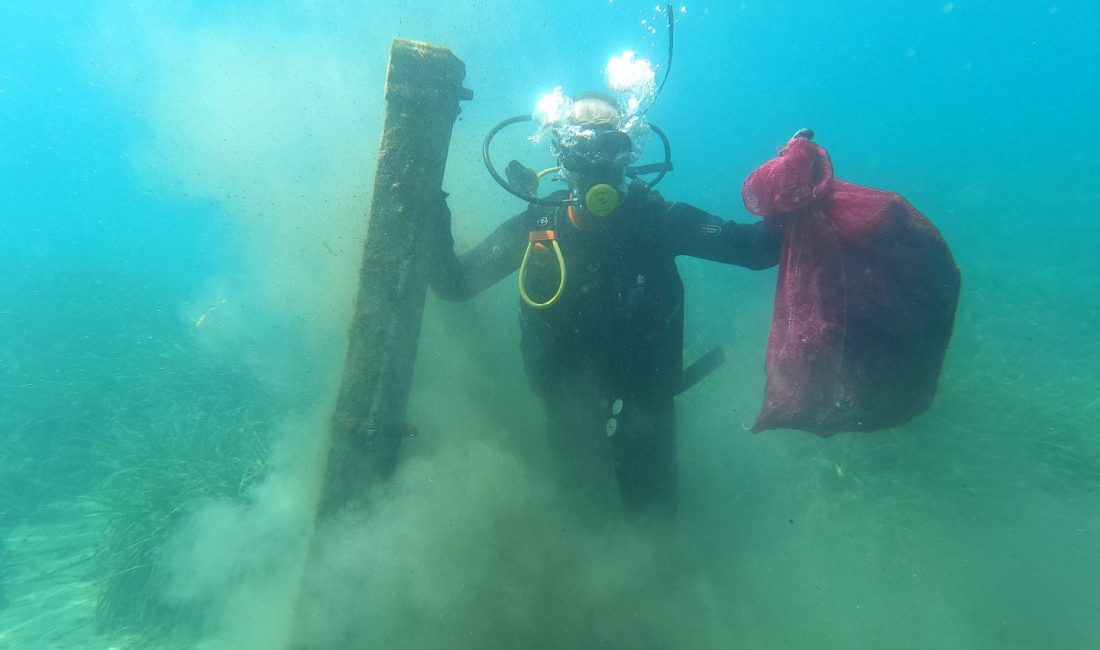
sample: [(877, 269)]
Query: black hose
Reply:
[(661, 168), (668, 64), (497, 177)]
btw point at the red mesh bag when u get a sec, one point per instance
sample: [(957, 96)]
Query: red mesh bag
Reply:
[(864, 305)]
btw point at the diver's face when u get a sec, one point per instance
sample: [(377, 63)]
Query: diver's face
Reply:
[(581, 183), (598, 160)]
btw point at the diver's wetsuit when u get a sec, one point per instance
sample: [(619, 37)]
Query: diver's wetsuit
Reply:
[(616, 332)]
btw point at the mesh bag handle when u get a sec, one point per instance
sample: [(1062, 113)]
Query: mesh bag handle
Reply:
[(799, 177)]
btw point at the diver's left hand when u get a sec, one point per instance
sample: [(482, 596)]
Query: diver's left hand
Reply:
[(522, 178)]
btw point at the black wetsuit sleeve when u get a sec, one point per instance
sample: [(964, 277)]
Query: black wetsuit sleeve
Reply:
[(460, 277), (696, 233)]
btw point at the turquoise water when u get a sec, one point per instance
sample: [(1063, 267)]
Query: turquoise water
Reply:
[(182, 194)]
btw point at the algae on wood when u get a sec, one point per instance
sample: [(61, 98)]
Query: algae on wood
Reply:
[(423, 90)]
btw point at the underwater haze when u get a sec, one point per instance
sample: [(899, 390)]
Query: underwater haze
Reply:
[(183, 197)]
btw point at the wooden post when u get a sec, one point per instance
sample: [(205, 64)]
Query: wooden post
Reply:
[(423, 90)]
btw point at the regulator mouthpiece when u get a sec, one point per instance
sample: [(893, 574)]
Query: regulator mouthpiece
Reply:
[(601, 199)]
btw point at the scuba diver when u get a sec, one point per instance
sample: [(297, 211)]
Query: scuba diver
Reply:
[(602, 311)]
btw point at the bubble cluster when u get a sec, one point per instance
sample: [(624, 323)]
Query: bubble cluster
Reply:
[(634, 82)]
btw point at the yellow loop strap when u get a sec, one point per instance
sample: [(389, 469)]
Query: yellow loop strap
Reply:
[(535, 237)]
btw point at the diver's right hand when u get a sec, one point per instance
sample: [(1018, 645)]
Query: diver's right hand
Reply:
[(439, 214), (440, 220), (441, 210)]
